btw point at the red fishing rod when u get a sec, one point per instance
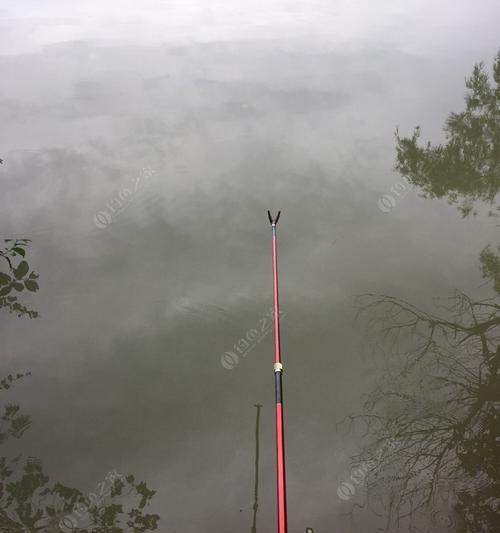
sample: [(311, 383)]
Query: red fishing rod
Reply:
[(278, 371)]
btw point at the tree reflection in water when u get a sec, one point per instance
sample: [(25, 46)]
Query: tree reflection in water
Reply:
[(440, 396), (29, 502)]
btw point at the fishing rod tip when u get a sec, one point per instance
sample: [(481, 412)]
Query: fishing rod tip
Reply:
[(271, 220)]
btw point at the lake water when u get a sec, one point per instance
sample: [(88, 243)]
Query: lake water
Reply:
[(142, 147)]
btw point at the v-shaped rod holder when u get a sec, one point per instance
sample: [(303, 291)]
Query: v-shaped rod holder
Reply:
[(271, 220)]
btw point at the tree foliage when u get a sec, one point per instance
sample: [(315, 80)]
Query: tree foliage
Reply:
[(29, 502), (17, 277), (466, 168)]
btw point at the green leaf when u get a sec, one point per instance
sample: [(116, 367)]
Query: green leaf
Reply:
[(4, 278), (31, 285), (5, 290), (20, 251), (18, 286), (21, 270)]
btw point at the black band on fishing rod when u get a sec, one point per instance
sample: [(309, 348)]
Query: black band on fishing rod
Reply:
[(275, 221), (277, 387)]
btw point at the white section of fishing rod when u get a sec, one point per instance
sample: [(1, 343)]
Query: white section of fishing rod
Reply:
[(278, 367)]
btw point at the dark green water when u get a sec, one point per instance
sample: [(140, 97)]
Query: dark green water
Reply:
[(142, 149)]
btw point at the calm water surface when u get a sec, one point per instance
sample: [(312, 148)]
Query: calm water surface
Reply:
[(142, 148)]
